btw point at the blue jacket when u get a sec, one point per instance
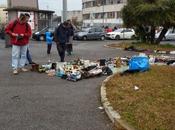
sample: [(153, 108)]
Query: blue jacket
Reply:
[(49, 38), (62, 34)]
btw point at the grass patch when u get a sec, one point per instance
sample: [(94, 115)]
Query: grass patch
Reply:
[(166, 47), (152, 107)]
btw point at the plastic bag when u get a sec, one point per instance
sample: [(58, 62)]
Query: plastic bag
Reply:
[(139, 64)]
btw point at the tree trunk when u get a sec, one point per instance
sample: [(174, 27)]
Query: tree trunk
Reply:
[(162, 35), (152, 34)]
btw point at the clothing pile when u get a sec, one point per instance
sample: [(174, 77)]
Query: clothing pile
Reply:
[(148, 51), (162, 60)]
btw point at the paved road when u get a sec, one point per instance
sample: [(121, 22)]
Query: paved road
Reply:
[(32, 101)]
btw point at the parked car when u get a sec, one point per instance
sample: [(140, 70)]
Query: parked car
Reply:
[(40, 35), (2, 33), (122, 33), (170, 35), (90, 34)]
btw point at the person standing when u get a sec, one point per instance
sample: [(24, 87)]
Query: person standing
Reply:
[(61, 38), (49, 39), (69, 47), (29, 58), (20, 32)]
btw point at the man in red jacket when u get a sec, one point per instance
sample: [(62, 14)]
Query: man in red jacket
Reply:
[(20, 32)]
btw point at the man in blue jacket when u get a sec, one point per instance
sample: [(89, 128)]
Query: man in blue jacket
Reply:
[(61, 38)]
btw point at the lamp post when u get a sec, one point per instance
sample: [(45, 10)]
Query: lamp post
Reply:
[(103, 11), (64, 10)]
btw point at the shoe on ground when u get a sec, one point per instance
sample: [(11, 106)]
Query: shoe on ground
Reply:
[(32, 62), (15, 72), (24, 69)]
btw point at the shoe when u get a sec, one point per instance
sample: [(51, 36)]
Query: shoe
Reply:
[(24, 69), (32, 62), (15, 72)]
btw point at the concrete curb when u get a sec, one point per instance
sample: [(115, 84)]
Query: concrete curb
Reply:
[(112, 114)]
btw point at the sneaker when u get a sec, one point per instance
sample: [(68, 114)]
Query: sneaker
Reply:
[(24, 69), (15, 72)]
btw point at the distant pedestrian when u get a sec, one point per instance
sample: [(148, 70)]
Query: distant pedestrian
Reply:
[(49, 39), (20, 32), (69, 45), (29, 58), (61, 38)]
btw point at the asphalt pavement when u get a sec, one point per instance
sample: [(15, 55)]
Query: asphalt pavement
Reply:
[(33, 101)]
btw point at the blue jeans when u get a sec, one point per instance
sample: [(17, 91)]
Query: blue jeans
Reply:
[(19, 56), (29, 58)]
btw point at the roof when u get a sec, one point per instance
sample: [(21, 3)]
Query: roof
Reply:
[(23, 8)]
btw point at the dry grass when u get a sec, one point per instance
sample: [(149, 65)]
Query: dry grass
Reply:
[(166, 47), (152, 107)]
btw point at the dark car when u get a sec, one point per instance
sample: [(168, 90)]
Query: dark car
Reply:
[(2, 33), (90, 34), (40, 35)]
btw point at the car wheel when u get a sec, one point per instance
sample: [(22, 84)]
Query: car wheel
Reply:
[(117, 37), (133, 37), (102, 38), (84, 38), (42, 38)]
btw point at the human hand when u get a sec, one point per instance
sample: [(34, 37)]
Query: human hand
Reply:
[(22, 35), (14, 34)]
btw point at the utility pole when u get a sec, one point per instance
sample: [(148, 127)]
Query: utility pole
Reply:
[(103, 11), (64, 15)]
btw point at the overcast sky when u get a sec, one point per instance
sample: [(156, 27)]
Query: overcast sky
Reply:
[(56, 5)]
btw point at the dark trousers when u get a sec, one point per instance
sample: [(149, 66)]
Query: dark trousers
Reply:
[(49, 46), (61, 51), (69, 48), (29, 57)]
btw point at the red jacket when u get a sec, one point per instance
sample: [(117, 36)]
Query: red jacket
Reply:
[(19, 29)]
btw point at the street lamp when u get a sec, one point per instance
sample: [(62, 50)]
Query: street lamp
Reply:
[(103, 11), (64, 10)]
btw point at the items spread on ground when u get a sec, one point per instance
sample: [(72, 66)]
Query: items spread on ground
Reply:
[(82, 69)]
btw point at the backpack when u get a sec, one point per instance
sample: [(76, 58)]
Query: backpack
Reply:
[(55, 37), (14, 25)]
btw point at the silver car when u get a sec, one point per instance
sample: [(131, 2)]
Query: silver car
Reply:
[(90, 34)]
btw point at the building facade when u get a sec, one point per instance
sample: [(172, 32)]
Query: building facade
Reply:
[(75, 15), (38, 18), (102, 12), (3, 15)]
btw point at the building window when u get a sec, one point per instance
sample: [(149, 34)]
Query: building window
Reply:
[(110, 15), (42, 16), (119, 14), (86, 16)]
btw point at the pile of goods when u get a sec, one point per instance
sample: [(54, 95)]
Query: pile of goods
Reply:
[(83, 69)]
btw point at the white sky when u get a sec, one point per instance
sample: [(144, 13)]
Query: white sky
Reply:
[(56, 5)]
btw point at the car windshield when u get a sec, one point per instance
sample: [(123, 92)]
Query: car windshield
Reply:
[(85, 29), (118, 30), (51, 29)]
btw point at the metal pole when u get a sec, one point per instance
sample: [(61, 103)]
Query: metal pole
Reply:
[(64, 10), (103, 12)]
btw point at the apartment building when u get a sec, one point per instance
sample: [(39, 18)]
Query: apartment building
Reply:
[(102, 12), (75, 15)]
